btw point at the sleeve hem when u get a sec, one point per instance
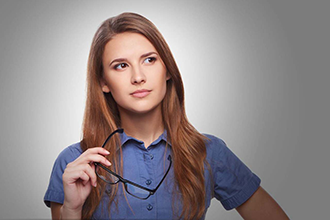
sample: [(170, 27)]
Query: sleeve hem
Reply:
[(242, 195), (53, 196)]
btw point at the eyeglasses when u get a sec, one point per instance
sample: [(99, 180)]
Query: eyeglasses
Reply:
[(131, 188)]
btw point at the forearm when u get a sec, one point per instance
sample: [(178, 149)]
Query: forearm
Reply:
[(67, 213)]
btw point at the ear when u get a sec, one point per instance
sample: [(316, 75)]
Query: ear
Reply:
[(168, 76), (104, 86)]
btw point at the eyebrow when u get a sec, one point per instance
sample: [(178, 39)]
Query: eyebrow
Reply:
[(124, 59)]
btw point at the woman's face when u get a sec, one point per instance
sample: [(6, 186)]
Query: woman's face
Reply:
[(134, 73)]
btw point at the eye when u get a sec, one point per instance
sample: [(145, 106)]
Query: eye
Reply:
[(150, 60), (120, 66)]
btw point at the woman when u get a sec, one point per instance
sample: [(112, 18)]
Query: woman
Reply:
[(158, 166)]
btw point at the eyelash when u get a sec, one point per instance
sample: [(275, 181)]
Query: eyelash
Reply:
[(153, 59), (118, 65)]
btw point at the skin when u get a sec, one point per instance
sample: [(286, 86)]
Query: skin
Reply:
[(261, 206), (78, 179), (141, 118)]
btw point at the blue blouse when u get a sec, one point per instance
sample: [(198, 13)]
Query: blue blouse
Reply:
[(233, 181)]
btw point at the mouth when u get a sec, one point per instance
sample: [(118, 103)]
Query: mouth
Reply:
[(140, 93)]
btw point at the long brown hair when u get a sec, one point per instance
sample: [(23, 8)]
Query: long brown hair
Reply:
[(102, 116)]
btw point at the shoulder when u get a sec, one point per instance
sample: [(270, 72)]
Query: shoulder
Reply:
[(219, 155), (73, 150), (215, 147), (68, 155), (213, 141)]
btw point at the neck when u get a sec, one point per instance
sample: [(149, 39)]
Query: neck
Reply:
[(146, 127)]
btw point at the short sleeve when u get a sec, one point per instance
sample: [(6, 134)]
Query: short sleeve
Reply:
[(234, 182), (54, 192)]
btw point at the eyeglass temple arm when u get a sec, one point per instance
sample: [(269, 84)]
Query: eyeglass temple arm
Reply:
[(113, 173), (154, 190), (122, 179), (119, 130)]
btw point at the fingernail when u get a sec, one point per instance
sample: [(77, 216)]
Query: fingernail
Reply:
[(95, 184), (107, 152), (108, 163)]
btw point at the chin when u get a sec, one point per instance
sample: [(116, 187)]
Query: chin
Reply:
[(143, 109)]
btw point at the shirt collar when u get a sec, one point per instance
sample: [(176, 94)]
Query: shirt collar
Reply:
[(124, 138)]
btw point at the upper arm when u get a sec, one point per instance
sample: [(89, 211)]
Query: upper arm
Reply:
[(233, 182), (261, 206), (56, 210)]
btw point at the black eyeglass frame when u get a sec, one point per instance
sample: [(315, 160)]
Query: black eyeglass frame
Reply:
[(125, 181)]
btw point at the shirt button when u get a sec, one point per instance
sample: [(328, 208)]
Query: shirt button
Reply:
[(151, 156), (108, 191), (149, 207), (148, 182)]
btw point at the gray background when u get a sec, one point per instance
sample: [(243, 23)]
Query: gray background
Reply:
[(256, 74)]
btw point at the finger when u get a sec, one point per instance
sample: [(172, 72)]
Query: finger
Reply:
[(94, 158), (85, 178), (90, 171), (85, 172), (85, 157), (97, 150), (94, 182), (71, 175)]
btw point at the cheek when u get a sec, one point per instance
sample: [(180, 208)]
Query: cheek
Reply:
[(162, 86), (117, 92), (115, 85)]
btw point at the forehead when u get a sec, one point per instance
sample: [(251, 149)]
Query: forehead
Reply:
[(126, 45)]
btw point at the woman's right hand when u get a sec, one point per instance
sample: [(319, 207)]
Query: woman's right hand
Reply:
[(79, 177)]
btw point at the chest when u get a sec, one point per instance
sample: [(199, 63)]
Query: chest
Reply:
[(145, 167)]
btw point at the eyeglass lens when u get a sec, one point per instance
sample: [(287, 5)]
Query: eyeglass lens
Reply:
[(136, 191), (111, 179)]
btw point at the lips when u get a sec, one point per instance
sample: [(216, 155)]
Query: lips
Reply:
[(141, 93)]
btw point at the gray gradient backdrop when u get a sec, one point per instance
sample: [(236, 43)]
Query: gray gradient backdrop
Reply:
[(256, 74)]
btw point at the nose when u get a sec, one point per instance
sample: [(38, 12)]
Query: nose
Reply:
[(138, 76)]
